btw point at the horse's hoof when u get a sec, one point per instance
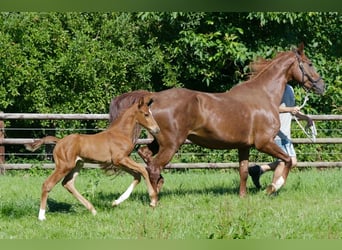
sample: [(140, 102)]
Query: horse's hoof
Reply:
[(153, 204), (93, 212), (115, 203), (270, 189)]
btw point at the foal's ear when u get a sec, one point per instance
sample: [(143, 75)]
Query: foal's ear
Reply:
[(141, 102)]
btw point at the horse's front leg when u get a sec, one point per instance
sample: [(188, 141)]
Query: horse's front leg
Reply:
[(147, 153), (243, 170)]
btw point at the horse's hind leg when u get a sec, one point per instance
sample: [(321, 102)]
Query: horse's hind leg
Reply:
[(129, 190), (69, 184), (279, 177), (243, 170), (282, 170)]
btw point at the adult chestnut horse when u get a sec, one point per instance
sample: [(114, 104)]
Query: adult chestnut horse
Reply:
[(245, 116), (111, 147)]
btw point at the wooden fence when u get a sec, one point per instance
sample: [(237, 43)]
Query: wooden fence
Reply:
[(17, 116)]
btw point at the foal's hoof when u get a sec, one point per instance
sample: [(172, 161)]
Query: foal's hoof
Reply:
[(270, 189), (41, 218), (115, 203), (93, 212)]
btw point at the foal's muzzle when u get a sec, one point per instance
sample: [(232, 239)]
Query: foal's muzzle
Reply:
[(155, 130)]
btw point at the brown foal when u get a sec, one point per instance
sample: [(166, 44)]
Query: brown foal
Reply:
[(111, 147)]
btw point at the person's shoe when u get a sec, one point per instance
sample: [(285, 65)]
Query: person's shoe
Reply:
[(255, 172)]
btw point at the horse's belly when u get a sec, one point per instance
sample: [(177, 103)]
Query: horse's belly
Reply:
[(217, 143)]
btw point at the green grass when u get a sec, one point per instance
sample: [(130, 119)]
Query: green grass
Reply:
[(194, 204)]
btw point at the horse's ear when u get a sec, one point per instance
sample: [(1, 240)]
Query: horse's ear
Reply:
[(301, 49)]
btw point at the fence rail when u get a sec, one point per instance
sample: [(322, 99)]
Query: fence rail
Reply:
[(37, 116), (33, 116)]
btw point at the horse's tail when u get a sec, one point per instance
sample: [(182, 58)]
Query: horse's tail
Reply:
[(124, 101), (38, 143)]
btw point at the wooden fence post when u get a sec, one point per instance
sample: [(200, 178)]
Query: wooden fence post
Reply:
[(2, 147)]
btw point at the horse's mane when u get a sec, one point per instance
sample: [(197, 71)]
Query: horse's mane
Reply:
[(260, 64), (124, 101)]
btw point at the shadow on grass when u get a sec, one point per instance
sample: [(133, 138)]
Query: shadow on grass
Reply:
[(104, 199), (59, 207)]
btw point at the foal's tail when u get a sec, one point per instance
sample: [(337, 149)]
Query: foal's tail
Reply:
[(35, 145)]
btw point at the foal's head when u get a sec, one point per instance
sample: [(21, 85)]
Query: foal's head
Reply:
[(144, 115)]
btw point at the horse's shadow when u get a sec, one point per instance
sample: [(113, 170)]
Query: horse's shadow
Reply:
[(103, 198)]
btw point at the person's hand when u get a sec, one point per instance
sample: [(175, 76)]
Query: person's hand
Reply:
[(295, 110)]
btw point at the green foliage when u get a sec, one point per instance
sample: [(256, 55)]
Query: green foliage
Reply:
[(77, 62)]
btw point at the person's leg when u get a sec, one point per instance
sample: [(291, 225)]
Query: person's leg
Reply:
[(256, 171)]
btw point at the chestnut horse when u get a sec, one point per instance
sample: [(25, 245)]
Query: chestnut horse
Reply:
[(111, 147), (245, 116)]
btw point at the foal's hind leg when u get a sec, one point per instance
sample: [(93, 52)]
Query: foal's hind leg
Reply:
[(47, 186), (69, 184)]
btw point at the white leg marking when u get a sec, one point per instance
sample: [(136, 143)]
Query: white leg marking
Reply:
[(41, 215), (279, 183), (125, 195)]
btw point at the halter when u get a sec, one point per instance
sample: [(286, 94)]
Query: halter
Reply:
[(304, 73)]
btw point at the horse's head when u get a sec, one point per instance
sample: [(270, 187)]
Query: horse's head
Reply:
[(145, 117), (305, 73)]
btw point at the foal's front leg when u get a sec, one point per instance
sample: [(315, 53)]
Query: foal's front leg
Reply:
[(129, 190), (136, 167)]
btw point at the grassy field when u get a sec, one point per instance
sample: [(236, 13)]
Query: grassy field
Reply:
[(194, 204)]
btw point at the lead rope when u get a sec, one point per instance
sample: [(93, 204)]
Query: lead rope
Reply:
[(311, 132)]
